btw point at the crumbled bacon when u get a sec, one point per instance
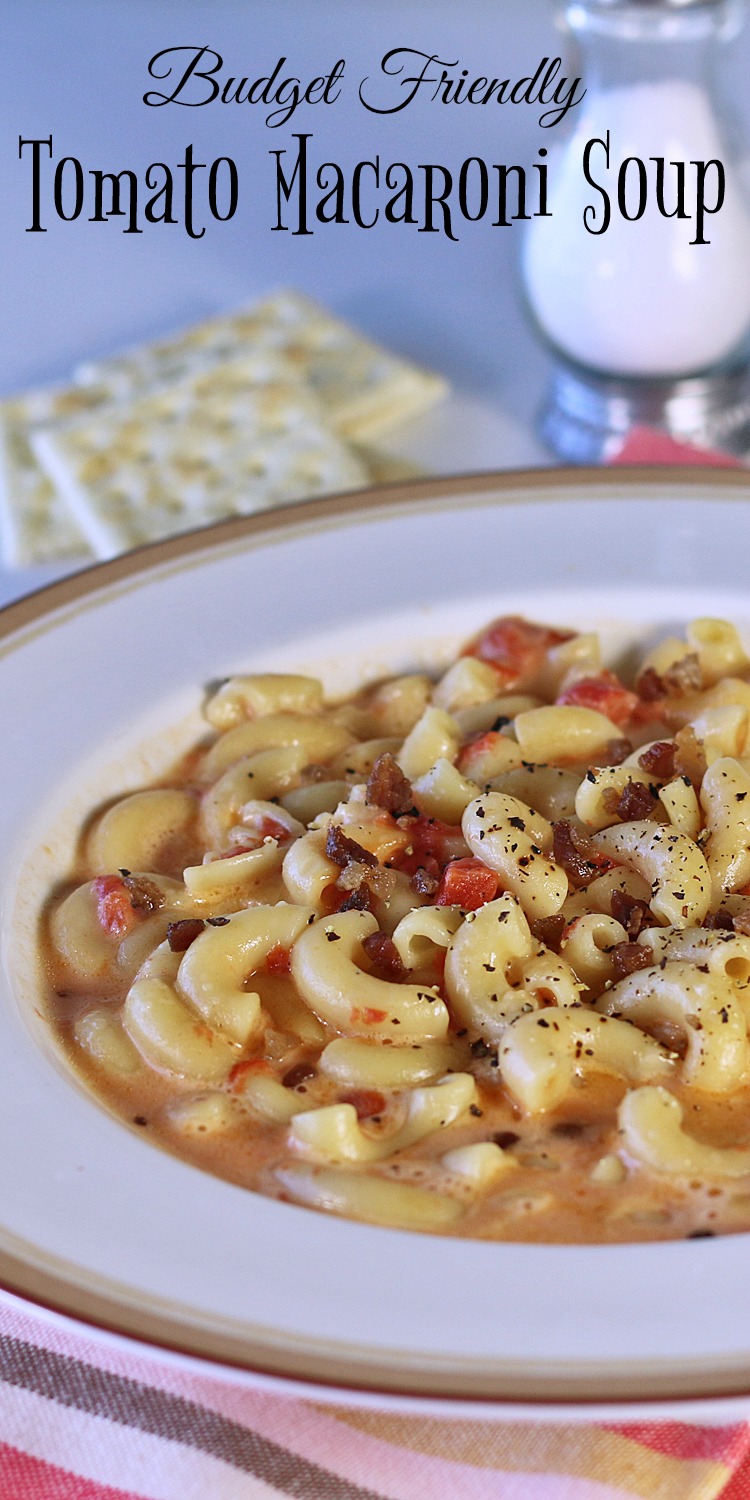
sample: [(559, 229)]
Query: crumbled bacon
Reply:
[(635, 801), (741, 921), (629, 957), (719, 921), (631, 913), (549, 930), (388, 787), (343, 850), (359, 869), (576, 855), (649, 686), (145, 894), (425, 882), (359, 900), (181, 934), (616, 751), (384, 956), (683, 677), (690, 756), (658, 759), (380, 880)]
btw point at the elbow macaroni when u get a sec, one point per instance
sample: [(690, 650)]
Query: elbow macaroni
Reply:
[(468, 955)]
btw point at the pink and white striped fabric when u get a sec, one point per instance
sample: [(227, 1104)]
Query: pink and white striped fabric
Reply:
[(83, 1419)]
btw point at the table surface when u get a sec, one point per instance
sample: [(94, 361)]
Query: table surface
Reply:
[(77, 72)]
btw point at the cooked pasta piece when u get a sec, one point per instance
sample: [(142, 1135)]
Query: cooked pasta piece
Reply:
[(465, 953)]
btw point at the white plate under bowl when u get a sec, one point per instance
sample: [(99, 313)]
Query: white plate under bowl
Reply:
[(101, 681)]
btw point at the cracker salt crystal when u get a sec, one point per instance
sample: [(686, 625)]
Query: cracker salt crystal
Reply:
[(364, 390), (224, 440)]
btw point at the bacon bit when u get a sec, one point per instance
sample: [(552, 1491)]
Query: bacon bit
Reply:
[(467, 883), (515, 647), (576, 855), (355, 875), (368, 1014), (343, 850), (631, 913), (367, 1102), (650, 687), (181, 934), (114, 908), (741, 920), (426, 881), (605, 693), (145, 894), (683, 677), (628, 957), (388, 787), (279, 959), (658, 759), (690, 756), (359, 900), (384, 956), (549, 930), (635, 801), (243, 1070), (333, 899), (719, 921), (616, 751), (300, 1073)]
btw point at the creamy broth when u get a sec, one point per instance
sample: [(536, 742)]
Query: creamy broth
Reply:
[(466, 955)]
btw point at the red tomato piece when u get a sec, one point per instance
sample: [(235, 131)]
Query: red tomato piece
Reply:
[(467, 883), (515, 647), (251, 1065), (265, 828), (430, 844), (279, 959), (114, 907), (606, 694), (482, 745), (368, 1014), (367, 1102)]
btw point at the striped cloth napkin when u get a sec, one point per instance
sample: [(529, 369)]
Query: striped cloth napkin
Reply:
[(83, 1418)]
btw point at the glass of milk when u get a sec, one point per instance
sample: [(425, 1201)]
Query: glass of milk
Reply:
[(641, 270)]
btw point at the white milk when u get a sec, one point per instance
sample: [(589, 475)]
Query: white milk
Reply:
[(640, 299)]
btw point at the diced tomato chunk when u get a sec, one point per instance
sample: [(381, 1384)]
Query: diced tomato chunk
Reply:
[(604, 693), (367, 1102), (279, 959), (515, 647), (429, 842), (484, 744), (114, 907), (251, 1066), (272, 828), (265, 828), (467, 883)]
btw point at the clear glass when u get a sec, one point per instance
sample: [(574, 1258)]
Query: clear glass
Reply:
[(654, 281)]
